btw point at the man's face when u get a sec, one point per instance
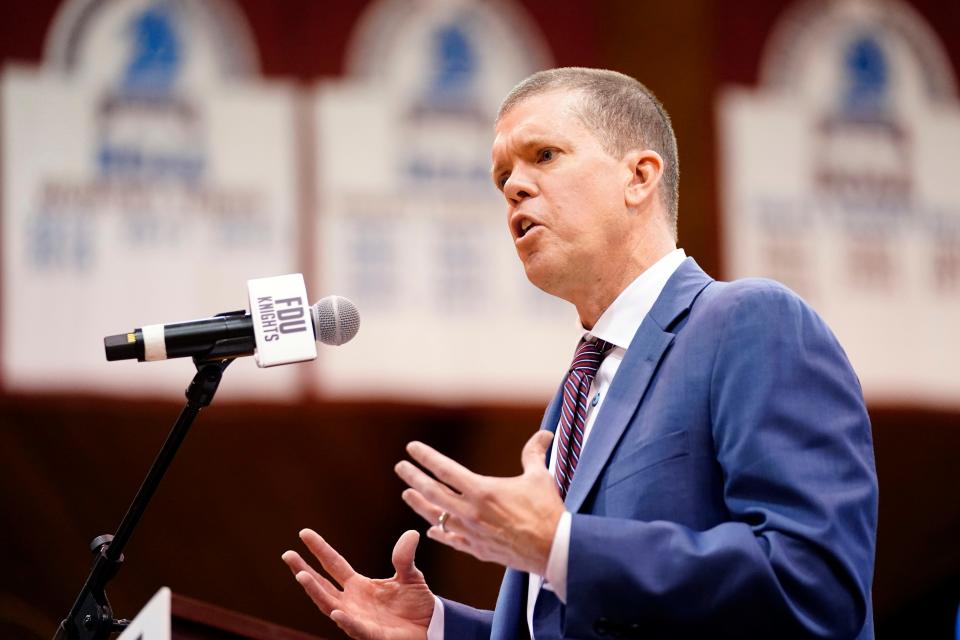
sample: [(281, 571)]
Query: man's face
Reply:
[(565, 195)]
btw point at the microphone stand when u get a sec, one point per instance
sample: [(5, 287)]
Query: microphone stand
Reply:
[(91, 617)]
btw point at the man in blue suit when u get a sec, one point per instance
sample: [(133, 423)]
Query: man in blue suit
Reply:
[(713, 471)]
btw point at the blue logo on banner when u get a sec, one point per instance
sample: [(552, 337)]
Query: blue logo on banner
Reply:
[(157, 54), (867, 80), (450, 94), (455, 68), (146, 102)]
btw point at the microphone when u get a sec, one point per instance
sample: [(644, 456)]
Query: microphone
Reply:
[(335, 320)]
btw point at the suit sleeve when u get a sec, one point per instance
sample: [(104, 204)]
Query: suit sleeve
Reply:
[(463, 622), (795, 557)]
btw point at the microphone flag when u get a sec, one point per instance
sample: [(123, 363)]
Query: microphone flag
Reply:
[(282, 325)]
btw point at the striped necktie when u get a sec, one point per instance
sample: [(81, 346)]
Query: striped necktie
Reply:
[(573, 415)]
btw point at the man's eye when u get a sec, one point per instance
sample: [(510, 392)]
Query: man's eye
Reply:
[(502, 181), (546, 155)]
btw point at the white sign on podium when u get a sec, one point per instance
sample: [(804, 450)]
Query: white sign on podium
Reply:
[(153, 621)]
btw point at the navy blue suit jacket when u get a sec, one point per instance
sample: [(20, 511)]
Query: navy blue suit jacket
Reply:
[(728, 487)]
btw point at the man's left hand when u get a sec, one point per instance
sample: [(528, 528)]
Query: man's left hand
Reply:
[(510, 521)]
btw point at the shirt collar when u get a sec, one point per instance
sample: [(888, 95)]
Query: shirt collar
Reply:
[(620, 321)]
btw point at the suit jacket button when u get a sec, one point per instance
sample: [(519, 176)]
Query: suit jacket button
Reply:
[(601, 627)]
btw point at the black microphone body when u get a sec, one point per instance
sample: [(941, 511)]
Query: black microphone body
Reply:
[(224, 335)]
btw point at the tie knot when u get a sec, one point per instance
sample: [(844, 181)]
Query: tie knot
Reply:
[(588, 355)]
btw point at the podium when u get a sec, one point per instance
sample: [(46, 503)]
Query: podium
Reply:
[(170, 616)]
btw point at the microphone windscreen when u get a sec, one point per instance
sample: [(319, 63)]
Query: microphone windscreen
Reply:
[(335, 319)]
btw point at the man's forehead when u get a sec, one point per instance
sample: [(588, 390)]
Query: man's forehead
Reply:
[(541, 117), (522, 132), (536, 109)]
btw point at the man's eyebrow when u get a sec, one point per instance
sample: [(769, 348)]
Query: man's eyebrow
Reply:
[(532, 141), (540, 140)]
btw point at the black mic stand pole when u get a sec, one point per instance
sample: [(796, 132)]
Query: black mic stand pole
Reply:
[(91, 617)]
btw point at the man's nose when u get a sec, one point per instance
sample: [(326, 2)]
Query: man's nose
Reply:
[(519, 187)]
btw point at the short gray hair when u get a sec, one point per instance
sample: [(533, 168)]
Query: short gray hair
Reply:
[(622, 112)]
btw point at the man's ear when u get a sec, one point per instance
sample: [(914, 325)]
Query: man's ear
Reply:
[(646, 166)]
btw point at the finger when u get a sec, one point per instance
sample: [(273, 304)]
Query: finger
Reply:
[(431, 514), (331, 561), (424, 508), (353, 627), (297, 564), (403, 556), (445, 469), (437, 493), (320, 597), (534, 454), (451, 539)]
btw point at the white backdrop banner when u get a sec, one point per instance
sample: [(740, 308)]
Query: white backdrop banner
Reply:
[(408, 222), (839, 180), (147, 175)]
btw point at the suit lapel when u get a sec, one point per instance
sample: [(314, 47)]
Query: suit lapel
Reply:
[(640, 361), (629, 385), (551, 417), (509, 619)]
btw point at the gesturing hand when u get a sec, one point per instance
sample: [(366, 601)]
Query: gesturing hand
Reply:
[(510, 521), (397, 608)]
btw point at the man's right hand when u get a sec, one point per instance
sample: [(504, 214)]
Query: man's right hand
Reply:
[(397, 608)]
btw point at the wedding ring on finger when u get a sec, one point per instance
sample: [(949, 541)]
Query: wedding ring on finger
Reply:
[(442, 521)]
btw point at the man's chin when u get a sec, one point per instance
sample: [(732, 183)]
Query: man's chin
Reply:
[(540, 275)]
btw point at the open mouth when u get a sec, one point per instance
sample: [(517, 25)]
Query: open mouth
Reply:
[(525, 226)]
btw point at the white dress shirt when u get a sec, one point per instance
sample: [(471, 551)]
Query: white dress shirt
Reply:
[(617, 325)]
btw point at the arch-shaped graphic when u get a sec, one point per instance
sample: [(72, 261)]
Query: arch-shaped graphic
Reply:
[(805, 26), (82, 36)]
